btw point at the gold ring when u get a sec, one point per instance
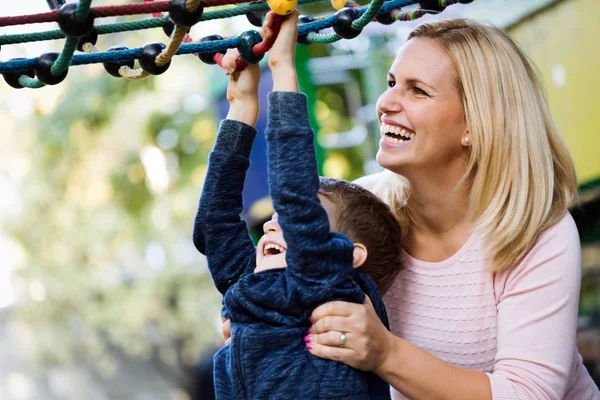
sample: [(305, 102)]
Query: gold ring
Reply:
[(343, 338)]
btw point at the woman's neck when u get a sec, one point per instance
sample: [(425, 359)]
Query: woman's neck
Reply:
[(439, 219)]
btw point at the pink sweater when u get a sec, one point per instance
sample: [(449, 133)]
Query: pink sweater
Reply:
[(518, 327)]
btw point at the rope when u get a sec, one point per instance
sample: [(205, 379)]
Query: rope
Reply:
[(174, 43), (31, 83), (368, 16), (64, 59), (137, 25), (175, 46), (83, 9)]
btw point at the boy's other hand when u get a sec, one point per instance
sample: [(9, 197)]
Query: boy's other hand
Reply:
[(282, 56), (242, 91), (243, 85)]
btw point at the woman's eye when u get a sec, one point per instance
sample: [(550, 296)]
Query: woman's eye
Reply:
[(419, 91), (391, 84)]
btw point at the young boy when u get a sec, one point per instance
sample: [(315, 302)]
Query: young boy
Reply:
[(324, 240)]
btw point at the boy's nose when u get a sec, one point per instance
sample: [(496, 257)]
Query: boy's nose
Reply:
[(271, 226)]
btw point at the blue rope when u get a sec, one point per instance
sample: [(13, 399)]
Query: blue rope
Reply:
[(188, 48)]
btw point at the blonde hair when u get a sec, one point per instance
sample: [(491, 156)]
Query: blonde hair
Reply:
[(521, 175)]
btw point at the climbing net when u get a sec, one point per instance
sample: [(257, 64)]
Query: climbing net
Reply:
[(77, 23)]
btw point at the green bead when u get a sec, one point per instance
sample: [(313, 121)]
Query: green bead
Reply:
[(247, 40)]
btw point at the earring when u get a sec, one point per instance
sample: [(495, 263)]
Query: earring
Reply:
[(466, 141)]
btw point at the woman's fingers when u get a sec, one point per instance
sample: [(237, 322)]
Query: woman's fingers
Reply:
[(333, 339), (226, 330), (331, 353), (330, 323), (334, 308)]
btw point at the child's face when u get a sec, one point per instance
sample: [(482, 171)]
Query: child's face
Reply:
[(270, 251)]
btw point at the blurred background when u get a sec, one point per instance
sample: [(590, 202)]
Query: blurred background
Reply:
[(102, 294)]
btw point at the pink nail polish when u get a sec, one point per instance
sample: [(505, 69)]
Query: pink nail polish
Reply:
[(309, 346), (307, 339), (309, 331)]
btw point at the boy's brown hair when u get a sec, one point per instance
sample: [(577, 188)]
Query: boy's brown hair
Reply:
[(366, 219)]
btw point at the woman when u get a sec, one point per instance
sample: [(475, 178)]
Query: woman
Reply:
[(487, 307)]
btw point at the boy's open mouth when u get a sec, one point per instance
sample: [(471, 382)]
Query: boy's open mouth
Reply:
[(395, 134), (272, 249)]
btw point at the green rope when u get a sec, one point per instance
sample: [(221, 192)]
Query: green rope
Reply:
[(136, 25), (83, 9), (368, 15), (64, 59), (322, 38), (31, 83)]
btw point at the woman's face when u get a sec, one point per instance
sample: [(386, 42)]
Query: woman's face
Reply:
[(421, 117)]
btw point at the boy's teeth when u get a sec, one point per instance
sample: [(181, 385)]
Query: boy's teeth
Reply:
[(270, 246)]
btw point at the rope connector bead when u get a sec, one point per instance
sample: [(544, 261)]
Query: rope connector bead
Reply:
[(209, 58), (342, 24), (247, 40), (385, 18), (70, 25), (169, 27), (43, 69), (432, 5), (91, 38), (255, 17), (181, 15), (304, 19), (12, 78), (148, 58), (113, 67)]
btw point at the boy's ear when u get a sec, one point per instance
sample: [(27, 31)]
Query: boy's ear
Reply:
[(359, 256)]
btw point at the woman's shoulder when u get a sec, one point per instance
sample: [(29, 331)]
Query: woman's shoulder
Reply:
[(369, 182), (554, 257)]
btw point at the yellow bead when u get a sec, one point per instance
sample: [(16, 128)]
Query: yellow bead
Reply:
[(282, 7), (338, 4)]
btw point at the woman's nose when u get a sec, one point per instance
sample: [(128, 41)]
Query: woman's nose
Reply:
[(389, 102), (271, 226)]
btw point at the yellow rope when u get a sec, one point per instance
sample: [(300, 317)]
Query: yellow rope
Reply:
[(174, 43), (168, 53), (131, 73)]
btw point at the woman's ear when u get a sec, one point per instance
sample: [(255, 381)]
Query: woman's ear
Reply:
[(359, 256)]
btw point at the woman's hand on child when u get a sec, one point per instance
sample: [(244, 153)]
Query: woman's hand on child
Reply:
[(226, 330), (367, 342), (242, 91)]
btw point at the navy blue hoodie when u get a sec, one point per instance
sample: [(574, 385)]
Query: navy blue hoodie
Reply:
[(269, 310)]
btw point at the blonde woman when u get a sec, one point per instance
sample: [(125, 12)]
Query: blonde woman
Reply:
[(481, 180)]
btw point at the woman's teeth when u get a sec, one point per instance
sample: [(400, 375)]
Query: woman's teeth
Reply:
[(395, 134), (272, 248)]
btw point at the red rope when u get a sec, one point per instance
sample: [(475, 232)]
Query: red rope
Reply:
[(108, 11), (131, 9), (29, 19)]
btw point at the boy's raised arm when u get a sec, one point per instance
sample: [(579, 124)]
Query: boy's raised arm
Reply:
[(314, 254), (219, 232)]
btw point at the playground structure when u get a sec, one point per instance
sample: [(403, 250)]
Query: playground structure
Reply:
[(77, 25)]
